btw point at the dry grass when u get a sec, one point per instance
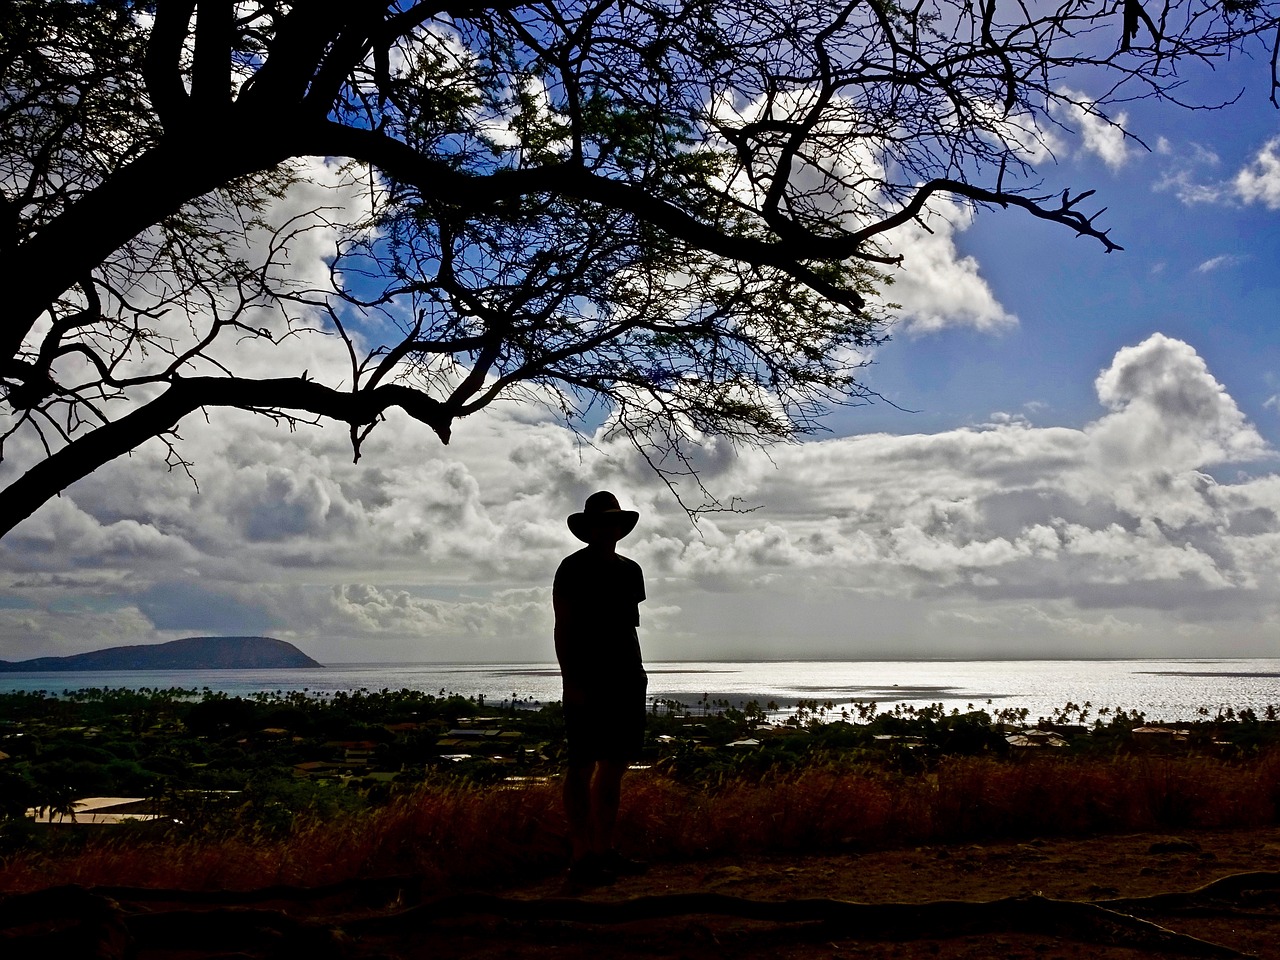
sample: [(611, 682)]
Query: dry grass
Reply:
[(459, 834), (444, 833), (963, 798)]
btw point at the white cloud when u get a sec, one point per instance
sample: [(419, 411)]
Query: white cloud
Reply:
[(1113, 532), (1218, 263), (76, 538), (1104, 139), (936, 286), (1259, 182), (1026, 134), (367, 610), (1168, 411), (1190, 192), (1008, 538), (1188, 174)]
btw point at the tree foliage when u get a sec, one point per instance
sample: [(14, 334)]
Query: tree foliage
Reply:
[(670, 214)]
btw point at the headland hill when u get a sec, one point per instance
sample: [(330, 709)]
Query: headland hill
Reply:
[(190, 653)]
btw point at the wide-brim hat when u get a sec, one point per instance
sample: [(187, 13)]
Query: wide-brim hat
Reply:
[(600, 506)]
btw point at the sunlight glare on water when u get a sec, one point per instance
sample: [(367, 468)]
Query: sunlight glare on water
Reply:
[(1161, 689)]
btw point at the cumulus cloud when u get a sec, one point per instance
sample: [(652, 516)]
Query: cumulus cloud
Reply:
[(1114, 530), (77, 538), (1099, 136), (1005, 539), (1259, 181), (1168, 413), (936, 286), (507, 615), (1193, 177)]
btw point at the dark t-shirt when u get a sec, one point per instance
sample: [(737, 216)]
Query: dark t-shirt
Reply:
[(602, 596)]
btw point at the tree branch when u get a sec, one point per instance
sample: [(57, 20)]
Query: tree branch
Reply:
[(161, 68), (211, 64), (88, 452), (1065, 213), (443, 183)]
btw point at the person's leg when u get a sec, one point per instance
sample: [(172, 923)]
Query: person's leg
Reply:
[(606, 789), (578, 807)]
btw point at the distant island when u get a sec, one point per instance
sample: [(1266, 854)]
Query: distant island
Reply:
[(192, 653)]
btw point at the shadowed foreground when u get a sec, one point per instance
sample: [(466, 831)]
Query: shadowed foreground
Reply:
[(1199, 894)]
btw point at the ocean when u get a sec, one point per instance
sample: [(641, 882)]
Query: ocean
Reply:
[(1168, 690)]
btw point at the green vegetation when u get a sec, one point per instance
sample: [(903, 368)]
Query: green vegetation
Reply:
[(296, 787), (216, 763)]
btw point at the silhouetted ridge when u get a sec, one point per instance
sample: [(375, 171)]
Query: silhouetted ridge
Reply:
[(191, 653)]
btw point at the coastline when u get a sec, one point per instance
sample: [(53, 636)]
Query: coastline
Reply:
[(1165, 689)]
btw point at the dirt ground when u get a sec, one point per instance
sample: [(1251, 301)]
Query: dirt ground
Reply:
[(1090, 869), (536, 919)]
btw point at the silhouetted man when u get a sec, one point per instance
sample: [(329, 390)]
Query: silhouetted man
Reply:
[(597, 598)]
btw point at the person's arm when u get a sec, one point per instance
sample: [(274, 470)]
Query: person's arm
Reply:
[(573, 688), (638, 587)]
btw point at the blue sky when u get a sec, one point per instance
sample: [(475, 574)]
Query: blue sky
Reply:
[(1091, 468), (1205, 271)]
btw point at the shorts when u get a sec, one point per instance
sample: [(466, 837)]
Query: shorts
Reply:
[(606, 727)]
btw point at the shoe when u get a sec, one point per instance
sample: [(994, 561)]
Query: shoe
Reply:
[(589, 872), (622, 866)]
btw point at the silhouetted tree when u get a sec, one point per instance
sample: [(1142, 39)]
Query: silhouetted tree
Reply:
[(672, 209)]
